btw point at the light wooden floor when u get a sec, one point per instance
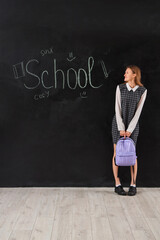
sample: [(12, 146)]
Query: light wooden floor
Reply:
[(78, 213)]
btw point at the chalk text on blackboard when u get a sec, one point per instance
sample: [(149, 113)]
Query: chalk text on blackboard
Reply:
[(43, 95), (65, 77), (46, 51)]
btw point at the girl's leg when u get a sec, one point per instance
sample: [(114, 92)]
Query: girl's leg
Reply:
[(115, 168), (134, 173)]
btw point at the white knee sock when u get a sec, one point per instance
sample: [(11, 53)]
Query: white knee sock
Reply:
[(118, 185)]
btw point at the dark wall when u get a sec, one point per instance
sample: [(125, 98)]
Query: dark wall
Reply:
[(60, 63)]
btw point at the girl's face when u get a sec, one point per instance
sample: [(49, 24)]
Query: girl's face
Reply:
[(129, 75)]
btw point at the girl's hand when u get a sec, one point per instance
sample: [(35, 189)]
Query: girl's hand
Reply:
[(123, 133), (128, 134)]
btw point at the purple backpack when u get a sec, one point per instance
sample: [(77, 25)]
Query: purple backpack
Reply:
[(125, 152)]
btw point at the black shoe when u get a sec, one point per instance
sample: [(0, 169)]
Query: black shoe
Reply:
[(132, 191), (120, 190)]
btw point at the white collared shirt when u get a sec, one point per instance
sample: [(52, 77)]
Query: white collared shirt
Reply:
[(132, 124), (129, 88)]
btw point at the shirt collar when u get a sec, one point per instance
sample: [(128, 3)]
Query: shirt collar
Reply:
[(129, 88)]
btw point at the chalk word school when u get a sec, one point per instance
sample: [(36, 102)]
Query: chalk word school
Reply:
[(50, 82)]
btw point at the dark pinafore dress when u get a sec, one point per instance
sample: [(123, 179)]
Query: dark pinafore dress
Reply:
[(129, 101)]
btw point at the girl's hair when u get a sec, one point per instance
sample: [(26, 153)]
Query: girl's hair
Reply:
[(137, 71)]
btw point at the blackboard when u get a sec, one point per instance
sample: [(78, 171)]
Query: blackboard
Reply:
[(60, 63)]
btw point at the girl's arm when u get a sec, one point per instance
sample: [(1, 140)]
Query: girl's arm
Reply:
[(134, 120), (120, 124)]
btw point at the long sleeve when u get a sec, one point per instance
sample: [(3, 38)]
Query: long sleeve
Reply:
[(120, 124), (134, 120)]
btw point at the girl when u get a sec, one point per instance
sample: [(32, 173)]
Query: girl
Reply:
[(129, 101)]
